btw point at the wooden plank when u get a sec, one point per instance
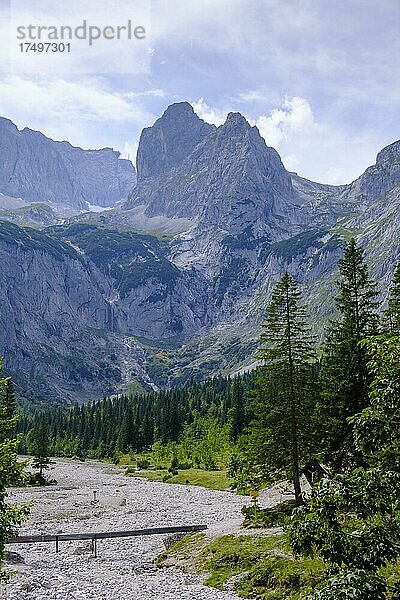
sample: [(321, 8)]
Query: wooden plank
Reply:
[(29, 539)]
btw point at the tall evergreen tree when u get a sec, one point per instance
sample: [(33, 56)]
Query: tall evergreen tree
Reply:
[(282, 403), (11, 515), (344, 370), (237, 411), (352, 520), (9, 399), (391, 321), (41, 446)]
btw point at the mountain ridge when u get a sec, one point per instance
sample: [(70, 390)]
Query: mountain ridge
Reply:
[(184, 298), (37, 169)]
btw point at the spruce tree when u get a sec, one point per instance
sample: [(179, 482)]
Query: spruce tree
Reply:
[(352, 520), (237, 411), (41, 446), (391, 321), (11, 515), (282, 403), (344, 370), (9, 399)]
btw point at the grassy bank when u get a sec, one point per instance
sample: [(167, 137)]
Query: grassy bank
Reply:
[(166, 464), (260, 567), (254, 566), (214, 480)]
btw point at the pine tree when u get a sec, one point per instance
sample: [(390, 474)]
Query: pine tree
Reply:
[(41, 446), (9, 399), (282, 404), (237, 411), (11, 515), (391, 320), (344, 370)]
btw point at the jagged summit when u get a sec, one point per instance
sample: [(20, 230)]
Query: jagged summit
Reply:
[(190, 169), (171, 139), (381, 177), (7, 124), (236, 119), (178, 108)]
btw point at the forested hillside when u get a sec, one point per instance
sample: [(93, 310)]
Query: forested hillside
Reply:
[(123, 424)]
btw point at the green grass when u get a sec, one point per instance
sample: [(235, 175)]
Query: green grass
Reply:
[(259, 567), (213, 480), (137, 387), (268, 517), (254, 566), (347, 233)]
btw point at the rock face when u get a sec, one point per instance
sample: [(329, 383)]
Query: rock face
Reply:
[(37, 169), (170, 140), (218, 173), (379, 178), (70, 309), (89, 306)]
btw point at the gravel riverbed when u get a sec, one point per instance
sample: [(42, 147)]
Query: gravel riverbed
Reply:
[(124, 567)]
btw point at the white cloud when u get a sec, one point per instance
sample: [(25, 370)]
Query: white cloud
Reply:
[(72, 109), (156, 93), (210, 115), (294, 116), (254, 96), (83, 100), (130, 151)]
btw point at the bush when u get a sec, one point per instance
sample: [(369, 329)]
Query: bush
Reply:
[(184, 466), (143, 463), (277, 515), (35, 479)]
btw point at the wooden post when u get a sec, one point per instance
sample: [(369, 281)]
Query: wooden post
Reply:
[(254, 497), (56, 543), (94, 547)]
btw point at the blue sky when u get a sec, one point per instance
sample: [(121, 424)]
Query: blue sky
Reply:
[(321, 80)]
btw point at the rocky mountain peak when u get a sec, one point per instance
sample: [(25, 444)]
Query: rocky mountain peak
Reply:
[(236, 120), (178, 110), (389, 152), (7, 125), (380, 178), (190, 169), (170, 140)]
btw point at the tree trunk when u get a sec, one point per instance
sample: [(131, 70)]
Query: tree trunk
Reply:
[(293, 416)]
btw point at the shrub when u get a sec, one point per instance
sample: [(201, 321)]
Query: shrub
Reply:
[(277, 515)]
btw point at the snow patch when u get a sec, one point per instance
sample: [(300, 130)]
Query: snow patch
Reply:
[(97, 209)]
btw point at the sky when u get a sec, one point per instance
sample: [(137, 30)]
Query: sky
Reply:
[(320, 79)]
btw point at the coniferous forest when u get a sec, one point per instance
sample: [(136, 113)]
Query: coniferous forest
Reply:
[(332, 408)]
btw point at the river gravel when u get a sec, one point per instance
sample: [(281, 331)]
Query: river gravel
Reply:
[(124, 567)]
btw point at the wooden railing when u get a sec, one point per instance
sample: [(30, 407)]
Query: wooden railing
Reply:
[(102, 535)]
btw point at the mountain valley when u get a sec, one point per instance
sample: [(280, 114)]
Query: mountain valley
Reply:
[(170, 282)]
